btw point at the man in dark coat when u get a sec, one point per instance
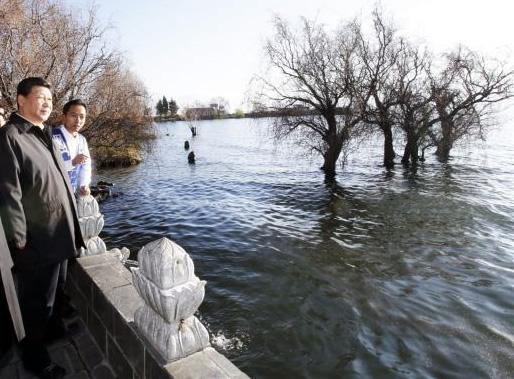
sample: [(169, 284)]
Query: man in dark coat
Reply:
[(38, 210)]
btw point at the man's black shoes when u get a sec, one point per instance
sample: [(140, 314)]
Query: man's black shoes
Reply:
[(51, 371), (36, 359)]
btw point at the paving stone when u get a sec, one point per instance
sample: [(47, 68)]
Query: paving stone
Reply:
[(76, 365), (117, 360), (96, 260), (106, 277), (206, 364), (126, 301), (123, 271), (60, 356)]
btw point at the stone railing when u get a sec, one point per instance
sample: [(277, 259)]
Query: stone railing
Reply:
[(143, 321), (91, 224)]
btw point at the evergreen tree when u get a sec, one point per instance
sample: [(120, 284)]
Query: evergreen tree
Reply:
[(164, 105), (159, 107), (172, 107)]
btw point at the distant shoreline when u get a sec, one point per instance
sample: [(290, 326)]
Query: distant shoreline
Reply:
[(259, 114)]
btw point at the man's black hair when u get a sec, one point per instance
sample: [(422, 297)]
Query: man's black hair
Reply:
[(26, 85), (71, 103)]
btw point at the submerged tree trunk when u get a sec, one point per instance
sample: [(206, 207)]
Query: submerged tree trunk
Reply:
[(406, 154), (411, 153), (330, 159), (334, 146), (389, 153), (445, 145)]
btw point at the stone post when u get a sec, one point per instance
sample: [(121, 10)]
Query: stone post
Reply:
[(91, 224), (172, 293)]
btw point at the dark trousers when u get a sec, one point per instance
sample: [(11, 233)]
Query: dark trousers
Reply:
[(61, 299), (36, 293)]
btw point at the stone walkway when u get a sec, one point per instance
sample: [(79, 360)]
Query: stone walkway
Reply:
[(79, 355)]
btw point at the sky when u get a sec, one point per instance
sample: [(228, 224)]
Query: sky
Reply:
[(196, 50)]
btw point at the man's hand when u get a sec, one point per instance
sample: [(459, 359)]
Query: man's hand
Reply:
[(20, 245), (79, 159), (84, 190)]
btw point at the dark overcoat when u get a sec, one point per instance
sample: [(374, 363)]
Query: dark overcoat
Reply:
[(37, 204)]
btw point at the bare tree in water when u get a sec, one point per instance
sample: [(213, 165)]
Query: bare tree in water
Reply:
[(464, 94), (380, 55), (317, 83), (329, 89)]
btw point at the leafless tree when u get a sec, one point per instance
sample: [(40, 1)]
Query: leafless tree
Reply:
[(316, 82), (119, 102), (464, 94), (69, 49), (379, 55), (414, 109), (328, 89)]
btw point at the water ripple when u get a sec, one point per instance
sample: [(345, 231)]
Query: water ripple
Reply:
[(395, 274)]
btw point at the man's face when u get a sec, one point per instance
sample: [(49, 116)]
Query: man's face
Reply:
[(75, 118), (37, 105)]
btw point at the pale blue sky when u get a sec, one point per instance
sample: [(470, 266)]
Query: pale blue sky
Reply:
[(196, 50)]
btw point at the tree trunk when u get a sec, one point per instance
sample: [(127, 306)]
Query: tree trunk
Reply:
[(414, 153), (330, 159), (406, 154), (389, 153), (445, 145), (443, 153), (411, 149), (335, 144)]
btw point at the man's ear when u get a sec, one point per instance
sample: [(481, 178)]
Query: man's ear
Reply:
[(20, 101)]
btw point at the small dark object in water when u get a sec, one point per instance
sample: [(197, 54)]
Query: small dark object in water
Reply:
[(191, 157), (193, 130), (167, 134), (100, 192), (186, 145), (102, 183)]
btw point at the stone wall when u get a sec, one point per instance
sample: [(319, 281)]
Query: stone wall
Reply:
[(101, 288)]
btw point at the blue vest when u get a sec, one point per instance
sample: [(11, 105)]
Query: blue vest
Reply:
[(61, 144)]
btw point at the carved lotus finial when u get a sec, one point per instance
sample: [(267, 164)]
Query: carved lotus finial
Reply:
[(165, 263)]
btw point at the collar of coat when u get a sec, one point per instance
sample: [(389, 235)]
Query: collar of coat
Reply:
[(24, 125)]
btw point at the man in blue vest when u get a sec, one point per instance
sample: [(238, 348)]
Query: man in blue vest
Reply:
[(73, 146), (75, 154)]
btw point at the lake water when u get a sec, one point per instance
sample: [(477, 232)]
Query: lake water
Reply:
[(384, 274)]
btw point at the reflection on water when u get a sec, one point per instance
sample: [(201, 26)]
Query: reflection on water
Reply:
[(382, 274)]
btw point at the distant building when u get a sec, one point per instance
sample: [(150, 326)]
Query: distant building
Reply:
[(218, 108), (200, 113), (300, 107)]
